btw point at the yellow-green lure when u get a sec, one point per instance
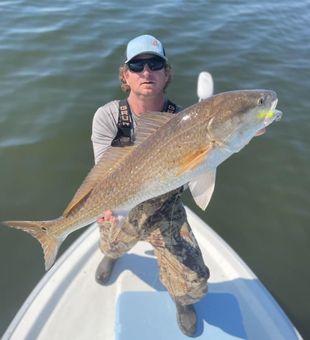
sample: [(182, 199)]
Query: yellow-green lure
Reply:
[(266, 114)]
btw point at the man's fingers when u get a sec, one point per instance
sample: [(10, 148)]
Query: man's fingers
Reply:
[(101, 220), (107, 217)]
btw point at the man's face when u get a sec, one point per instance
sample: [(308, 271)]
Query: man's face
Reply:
[(147, 82)]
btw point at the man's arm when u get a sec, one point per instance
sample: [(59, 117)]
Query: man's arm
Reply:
[(104, 128)]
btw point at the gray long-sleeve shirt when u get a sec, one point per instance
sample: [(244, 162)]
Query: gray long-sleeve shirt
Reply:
[(104, 127)]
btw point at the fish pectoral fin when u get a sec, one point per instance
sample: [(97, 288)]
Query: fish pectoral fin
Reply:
[(193, 159), (40, 230), (202, 188)]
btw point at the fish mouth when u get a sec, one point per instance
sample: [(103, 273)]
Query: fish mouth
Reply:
[(278, 115), (272, 114)]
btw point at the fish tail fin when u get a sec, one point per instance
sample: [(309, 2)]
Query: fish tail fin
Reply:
[(40, 230)]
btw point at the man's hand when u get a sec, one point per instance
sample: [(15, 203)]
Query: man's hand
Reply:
[(108, 217)]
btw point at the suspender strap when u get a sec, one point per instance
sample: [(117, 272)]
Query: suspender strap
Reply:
[(170, 107), (125, 126)]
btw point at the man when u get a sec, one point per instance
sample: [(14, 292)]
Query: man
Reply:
[(161, 221)]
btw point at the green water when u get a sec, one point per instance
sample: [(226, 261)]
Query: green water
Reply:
[(59, 62)]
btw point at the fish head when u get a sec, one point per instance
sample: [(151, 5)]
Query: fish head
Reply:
[(238, 116)]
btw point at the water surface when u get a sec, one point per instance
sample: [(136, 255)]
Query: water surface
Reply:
[(59, 62)]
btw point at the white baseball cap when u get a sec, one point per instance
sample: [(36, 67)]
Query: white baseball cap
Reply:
[(144, 44)]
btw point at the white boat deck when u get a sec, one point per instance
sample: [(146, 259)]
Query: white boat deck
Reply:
[(69, 304)]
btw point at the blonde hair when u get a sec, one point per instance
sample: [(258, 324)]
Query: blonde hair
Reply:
[(126, 88)]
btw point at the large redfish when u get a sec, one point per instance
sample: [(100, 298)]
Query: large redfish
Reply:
[(170, 151)]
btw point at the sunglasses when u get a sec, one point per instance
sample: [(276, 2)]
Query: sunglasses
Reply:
[(154, 64)]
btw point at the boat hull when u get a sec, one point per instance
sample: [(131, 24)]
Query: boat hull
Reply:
[(69, 304)]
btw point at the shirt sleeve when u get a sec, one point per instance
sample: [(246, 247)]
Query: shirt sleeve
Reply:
[(104, 128)]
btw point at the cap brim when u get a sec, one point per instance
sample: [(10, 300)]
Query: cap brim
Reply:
[(147, 52)]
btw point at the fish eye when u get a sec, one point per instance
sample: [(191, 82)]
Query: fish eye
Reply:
[(260, 101)]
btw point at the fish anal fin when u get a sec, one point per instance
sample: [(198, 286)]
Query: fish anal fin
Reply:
[(193, 159)]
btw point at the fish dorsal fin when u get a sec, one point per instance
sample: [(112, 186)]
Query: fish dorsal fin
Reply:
[(147, 124), (202, 188), (108, 162)]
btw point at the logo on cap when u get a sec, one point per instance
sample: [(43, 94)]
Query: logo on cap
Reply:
[(155, 43)]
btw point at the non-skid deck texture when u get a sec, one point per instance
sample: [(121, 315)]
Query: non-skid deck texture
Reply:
[(152, 316)]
